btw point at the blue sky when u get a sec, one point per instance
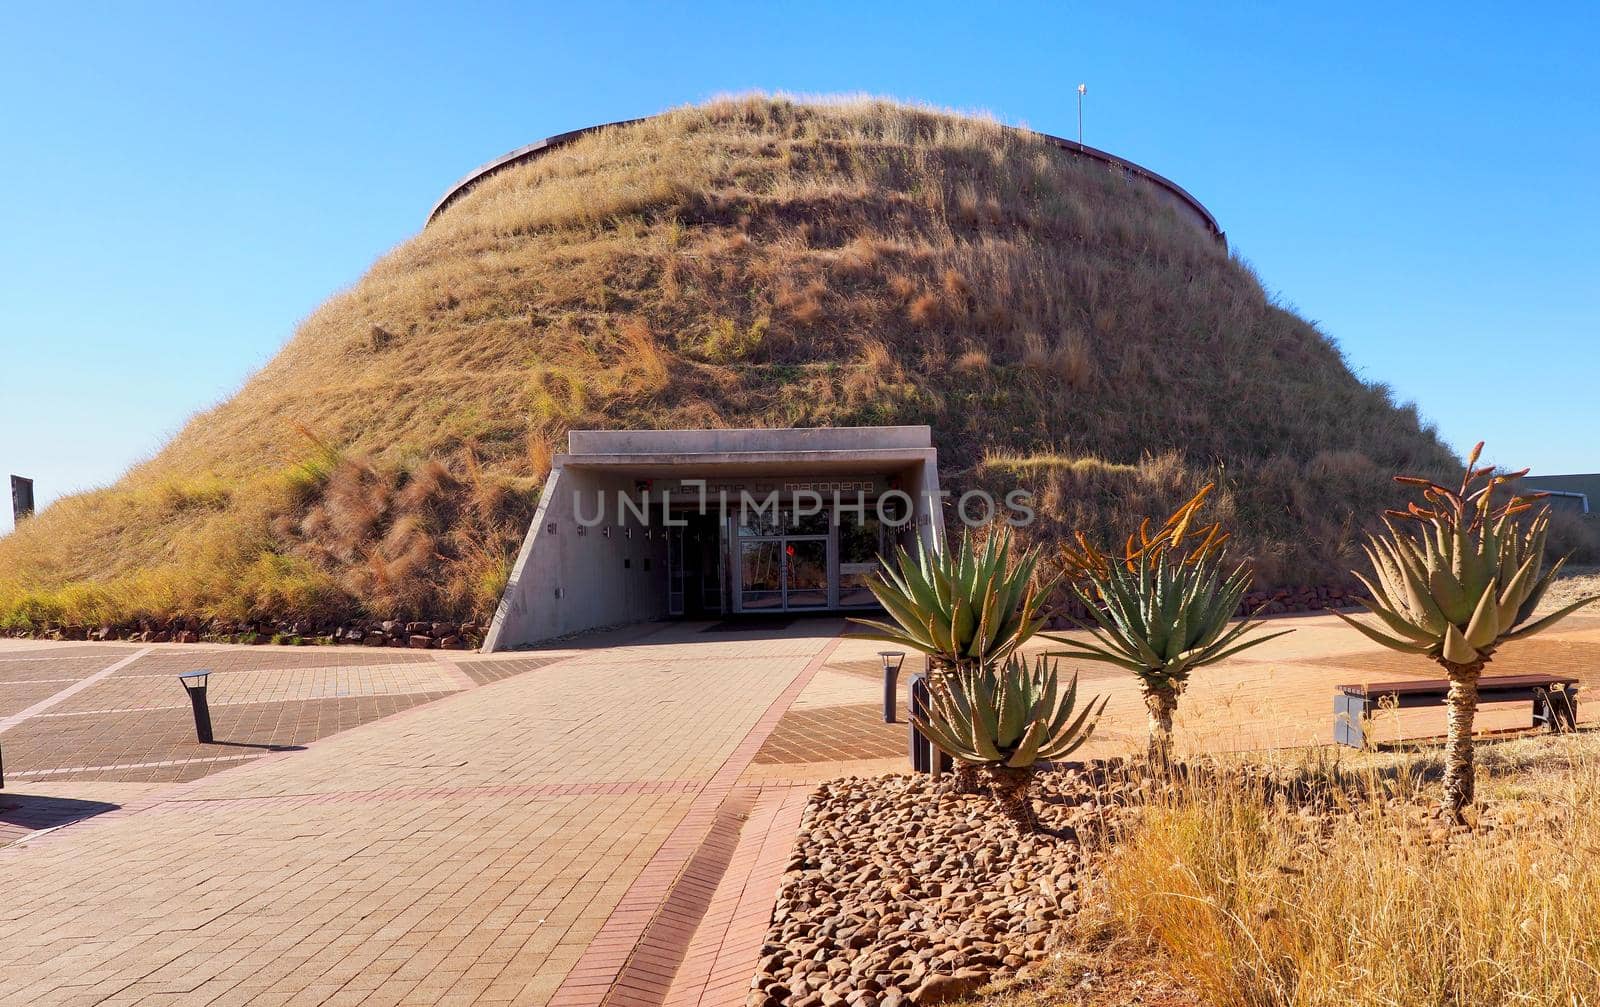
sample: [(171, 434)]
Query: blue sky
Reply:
[(183, 183)]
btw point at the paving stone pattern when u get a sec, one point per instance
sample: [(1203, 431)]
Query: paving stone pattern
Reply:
[(465, 851)]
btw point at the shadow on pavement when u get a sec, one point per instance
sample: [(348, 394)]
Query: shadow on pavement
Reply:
[(37, 811)]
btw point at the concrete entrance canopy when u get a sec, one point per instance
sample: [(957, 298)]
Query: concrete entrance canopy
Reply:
[(622, 508)]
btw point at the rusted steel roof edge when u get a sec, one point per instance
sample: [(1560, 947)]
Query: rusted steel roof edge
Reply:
[(524, 154)]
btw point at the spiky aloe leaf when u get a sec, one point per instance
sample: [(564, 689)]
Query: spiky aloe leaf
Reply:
[(1005, 714), (1551, 619), (1388, 641), (1183, 622)]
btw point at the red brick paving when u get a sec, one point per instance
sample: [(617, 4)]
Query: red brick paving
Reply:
[(466, 851), (65, 717), (724, 951), (628, 961), (484, 672), (21, 815), (19, 694), (834, 734), (66, 691), (93, 747)]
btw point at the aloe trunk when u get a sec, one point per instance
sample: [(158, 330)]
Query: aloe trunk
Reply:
[(1010, 786), (1461, 706), (1160, 702)]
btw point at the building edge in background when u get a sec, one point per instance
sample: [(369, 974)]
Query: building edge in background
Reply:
[(21, 498)]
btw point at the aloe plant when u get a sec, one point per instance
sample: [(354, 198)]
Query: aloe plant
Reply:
[(1463, 585), (1003, 719), (963, 608), (1161, 610)]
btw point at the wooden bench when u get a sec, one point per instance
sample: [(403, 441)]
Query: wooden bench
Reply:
[(1555, 700)]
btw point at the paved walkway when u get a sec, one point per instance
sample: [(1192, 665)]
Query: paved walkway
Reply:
[(511, 844), (579, 827)]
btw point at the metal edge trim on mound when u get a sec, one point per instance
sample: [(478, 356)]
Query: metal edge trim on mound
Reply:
[(527, 153)]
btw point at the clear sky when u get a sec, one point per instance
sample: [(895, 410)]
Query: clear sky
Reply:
[(182, 184)]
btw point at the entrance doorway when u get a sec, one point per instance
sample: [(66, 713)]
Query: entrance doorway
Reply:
[(784, 563), (787, 573), (695, 566)]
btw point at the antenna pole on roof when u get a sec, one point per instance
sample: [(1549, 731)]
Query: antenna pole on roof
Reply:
[(1083, 89)]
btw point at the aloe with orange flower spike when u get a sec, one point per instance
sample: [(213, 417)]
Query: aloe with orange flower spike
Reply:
[(1460, 582), (1161, 609)]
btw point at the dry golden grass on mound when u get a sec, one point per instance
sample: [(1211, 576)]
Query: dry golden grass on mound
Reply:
[(329, 539), (758, 262), (1240, 902)]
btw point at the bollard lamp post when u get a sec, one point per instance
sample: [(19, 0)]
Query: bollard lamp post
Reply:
[(925, 755), (892, 660), (194, 683)]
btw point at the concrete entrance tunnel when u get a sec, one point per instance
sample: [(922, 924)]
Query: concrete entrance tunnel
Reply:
[(645, 524)]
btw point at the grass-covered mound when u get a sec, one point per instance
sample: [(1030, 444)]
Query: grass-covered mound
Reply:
[(746, 263)]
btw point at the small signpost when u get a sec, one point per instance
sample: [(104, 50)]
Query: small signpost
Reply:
[(21, 498)]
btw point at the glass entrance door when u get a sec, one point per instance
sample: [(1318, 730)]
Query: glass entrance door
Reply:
[(782, 574), (805, 562), (784, 563), (760, 575), (675, 571)]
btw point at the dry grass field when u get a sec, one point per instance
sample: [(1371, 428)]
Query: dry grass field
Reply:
[(1230, 895), (751, 262)]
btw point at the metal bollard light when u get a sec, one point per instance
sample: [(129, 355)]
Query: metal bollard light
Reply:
[(194, 683), (925, 755), (892, 660)]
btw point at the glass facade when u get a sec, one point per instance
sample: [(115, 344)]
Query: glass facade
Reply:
[(790, 561), (760, 575)]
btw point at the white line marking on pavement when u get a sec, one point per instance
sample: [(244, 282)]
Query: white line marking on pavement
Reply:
[(29, 774), (258, 700), (7, 658), (70, 691), (35, 681)]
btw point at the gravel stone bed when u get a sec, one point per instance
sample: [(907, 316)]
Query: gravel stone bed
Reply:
[(901, 890)]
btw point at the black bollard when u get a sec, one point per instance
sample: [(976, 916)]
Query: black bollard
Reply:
[(892, 660), (923, 751), (194, 683)]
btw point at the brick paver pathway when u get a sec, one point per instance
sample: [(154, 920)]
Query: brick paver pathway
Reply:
[(513, 843), (117, 713)]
